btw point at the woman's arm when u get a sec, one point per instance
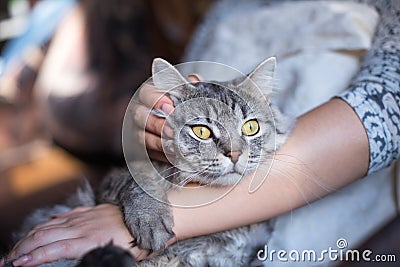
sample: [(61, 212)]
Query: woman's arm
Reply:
[(327, 150)]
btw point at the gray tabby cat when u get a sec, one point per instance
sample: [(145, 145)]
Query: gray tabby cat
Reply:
[(222, 130)]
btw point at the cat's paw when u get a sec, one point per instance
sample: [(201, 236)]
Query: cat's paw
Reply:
[(149, 220)]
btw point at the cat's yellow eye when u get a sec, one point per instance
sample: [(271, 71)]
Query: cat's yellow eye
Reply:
[(250, 127), (202, 132)]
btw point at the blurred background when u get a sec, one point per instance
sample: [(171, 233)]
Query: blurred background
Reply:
[(68, 69)]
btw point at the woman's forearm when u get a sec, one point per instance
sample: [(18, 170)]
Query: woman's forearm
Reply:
[(327, 150)]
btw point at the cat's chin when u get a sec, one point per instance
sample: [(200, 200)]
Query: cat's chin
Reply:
[(228, 179)]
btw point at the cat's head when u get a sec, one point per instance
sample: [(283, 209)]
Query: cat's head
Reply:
[(222, 130)]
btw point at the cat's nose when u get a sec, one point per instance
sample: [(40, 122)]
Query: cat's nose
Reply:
[(234, 155)]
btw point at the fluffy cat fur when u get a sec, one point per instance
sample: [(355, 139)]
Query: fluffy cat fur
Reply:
[(222, 159)]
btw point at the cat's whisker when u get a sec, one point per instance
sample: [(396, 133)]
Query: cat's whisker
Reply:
[(167, 169), (291, 179), (294, 176), (201, 176), (298, 161), (204, 179), (189, 178), (302, 168), (185, 181), (171, 168), (172, 174)]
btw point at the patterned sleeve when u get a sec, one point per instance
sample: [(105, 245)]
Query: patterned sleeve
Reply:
[(374, 93)]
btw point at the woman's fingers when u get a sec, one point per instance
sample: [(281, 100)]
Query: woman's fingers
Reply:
[(152, 141), (59, 219), (69, 249), (195, 78), (151, 128), (73, 211), (41, 238), (72, 234), (51, 223), (147, 121), (157, 155), (151, 97), (153, 144)]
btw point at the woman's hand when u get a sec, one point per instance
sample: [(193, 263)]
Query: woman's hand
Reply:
[(148, 126), (150, 130), (72, 234)]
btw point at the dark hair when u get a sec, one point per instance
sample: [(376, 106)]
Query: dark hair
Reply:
[(118, 45)]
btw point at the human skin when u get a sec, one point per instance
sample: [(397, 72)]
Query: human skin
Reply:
[(327, 150)]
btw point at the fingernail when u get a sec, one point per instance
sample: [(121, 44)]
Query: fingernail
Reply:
[(167, 108), (22, 260), (195, 78)]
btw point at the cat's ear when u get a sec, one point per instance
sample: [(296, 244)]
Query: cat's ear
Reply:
[(165, 76), (262, 76)]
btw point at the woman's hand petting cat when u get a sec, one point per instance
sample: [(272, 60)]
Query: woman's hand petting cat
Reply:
[(72, 234), (149, 127)]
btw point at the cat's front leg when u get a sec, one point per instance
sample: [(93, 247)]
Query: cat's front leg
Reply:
[(148, 218)]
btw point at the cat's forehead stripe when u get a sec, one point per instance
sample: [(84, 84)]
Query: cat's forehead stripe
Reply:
[(225, 95)]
